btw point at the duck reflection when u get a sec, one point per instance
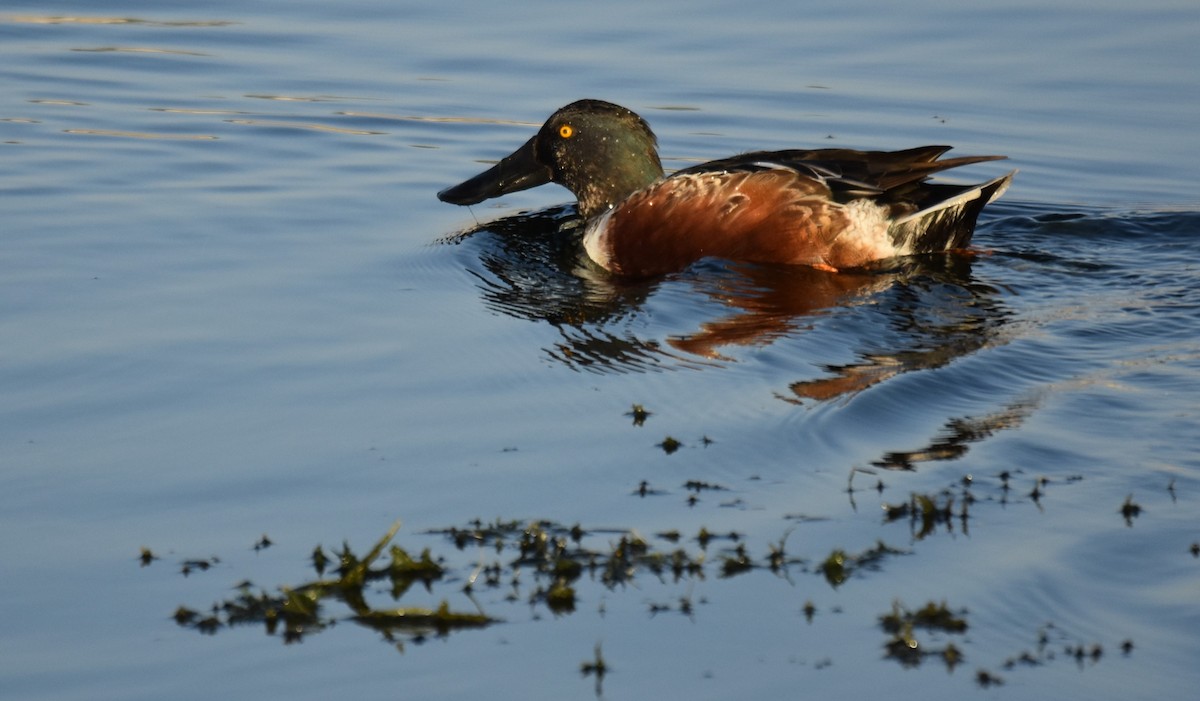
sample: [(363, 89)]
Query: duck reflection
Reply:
[(938, 314), (957, 435), (531, 266)]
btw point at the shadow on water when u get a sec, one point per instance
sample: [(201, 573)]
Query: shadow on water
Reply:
[(531, 267)]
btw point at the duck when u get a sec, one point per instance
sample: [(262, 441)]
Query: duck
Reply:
[(833, 209)]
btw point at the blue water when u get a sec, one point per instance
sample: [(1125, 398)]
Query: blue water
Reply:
[(231, 305)]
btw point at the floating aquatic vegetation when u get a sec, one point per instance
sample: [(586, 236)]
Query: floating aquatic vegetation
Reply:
[(645, 490), (927, 512), (556, 553), (1130, 510), (543, 563), (411, 620), (639, 414), (188, 566), (684, 606), (737, 563), (1054, 644), (670, 445), (547, 565), (298, 611), (902, 624), (839, 565), (596, 667)]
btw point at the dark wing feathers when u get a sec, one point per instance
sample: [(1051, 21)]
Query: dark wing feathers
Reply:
[(888, 175)]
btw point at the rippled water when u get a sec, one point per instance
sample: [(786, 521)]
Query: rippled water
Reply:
[(232, 306)]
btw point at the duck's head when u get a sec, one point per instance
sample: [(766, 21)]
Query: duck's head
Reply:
[(599, 151)]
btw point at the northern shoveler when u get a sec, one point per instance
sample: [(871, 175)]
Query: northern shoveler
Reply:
[(828, 208)]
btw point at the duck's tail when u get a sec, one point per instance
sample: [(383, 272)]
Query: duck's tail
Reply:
[(946, 218)]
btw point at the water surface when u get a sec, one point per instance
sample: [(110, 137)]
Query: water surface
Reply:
[(232, 306)]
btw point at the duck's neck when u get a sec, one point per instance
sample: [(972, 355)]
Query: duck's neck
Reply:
[(611, 177)]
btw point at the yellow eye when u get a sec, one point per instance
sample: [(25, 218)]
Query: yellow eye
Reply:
[(566, 131)]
